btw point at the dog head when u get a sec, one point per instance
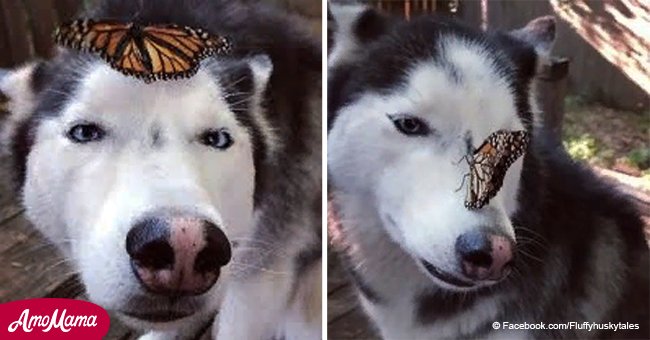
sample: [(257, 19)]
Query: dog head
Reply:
[(143, 186), (410, 100)]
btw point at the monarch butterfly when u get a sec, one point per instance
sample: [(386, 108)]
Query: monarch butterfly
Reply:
[(489, 163), (151, 52)]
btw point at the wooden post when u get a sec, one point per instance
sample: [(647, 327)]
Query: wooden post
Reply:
[(407, 9), (5, 48), (16, 33), (470, 13), (552, 88), (42, 22), (68, 9)]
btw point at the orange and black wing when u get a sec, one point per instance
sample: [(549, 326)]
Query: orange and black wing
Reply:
[(172, 51), (145, 52), (107, 38), (113, 41), (479, 184), (489, 164)]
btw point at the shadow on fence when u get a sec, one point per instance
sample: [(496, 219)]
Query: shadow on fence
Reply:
[(26, 27)]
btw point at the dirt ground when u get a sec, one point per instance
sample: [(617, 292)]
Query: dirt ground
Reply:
[(609, 138)]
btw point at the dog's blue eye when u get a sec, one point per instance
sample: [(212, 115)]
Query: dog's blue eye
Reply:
[(86, 133), (410, 125), (218, 139)]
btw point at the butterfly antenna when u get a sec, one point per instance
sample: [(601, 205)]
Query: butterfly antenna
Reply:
[(137, 13)]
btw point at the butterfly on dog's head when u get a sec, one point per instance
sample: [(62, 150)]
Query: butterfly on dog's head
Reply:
[(151, 52), (489, 163)]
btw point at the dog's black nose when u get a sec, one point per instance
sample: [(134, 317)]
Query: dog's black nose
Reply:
[(148, 244), (484, 255), (177, 255), (216, 252)]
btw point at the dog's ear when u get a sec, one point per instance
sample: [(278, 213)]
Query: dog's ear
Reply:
[(18, 90), (530, 46), (261, 66), (539, 33), (353, 27), (245, 80)]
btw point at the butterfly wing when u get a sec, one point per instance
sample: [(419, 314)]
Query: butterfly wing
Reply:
[(149, 52), (104, 37), (176, 51), (510, 147), (132, 60), (112, 40), (476, 186), (481, 172), (489, 165)]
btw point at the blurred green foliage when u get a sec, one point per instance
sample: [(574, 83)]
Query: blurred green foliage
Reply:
[(605, 137), (582, 147)]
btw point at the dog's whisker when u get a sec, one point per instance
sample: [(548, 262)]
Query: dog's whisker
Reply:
[(532, 232), (273, 252), (523, 252), (262, 269), (254, 241), (526, 241)]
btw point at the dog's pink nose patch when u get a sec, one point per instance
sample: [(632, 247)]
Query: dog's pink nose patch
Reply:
[(187, 238), (501, 257)]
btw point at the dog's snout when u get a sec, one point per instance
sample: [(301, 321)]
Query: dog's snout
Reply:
[(484, 255), (177, 255)]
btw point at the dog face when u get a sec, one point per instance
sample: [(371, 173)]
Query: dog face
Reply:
[(144, 186), (404, 122)]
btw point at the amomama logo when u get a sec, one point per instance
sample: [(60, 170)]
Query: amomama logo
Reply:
[(52, 319)]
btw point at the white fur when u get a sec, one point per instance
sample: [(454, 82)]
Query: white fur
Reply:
[(262, 67), (275, 302), (261, 304)]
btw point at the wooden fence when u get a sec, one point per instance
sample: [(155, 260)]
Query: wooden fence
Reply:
[(406, 8), (608, 36), (409, 8), (26, 27)]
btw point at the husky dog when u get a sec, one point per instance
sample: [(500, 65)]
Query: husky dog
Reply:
[(177, 198), (555, 245)]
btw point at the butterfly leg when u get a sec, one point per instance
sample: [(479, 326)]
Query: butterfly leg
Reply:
[(462, 183), (464, 158)]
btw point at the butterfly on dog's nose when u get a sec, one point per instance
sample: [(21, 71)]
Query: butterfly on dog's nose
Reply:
[(489, 163)]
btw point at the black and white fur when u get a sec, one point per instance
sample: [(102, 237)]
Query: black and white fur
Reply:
[(264, 191), (581, 254)]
